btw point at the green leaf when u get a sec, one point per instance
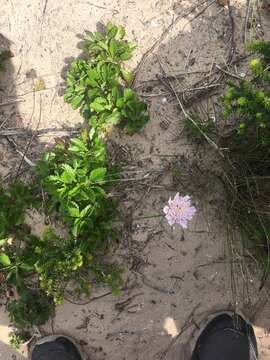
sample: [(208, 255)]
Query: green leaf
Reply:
[(76, 102), (126, 55), (100, 191), (74, 149), (98, 36), (121, 32), (94, 93), (113, 48), (116, 93), (112, 32), (74, 212), (98, 174), (85, 211), (26, 267), (3, 242), (111, 29), (114, 118), (92, 133), (54, 178), (69, 174), (99, 104), (127, 75), (5, 260), (79, 143), (74, 191), (120, 103), (97, 107), (92, 78), (11, 278), (128, 94)]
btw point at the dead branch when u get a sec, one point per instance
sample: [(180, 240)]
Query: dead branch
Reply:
[(54, 132), (15, 147)]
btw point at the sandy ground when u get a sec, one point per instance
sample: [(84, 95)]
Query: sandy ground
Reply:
[(176, 279)]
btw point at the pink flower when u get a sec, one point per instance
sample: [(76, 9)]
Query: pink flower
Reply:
[(179, 210)]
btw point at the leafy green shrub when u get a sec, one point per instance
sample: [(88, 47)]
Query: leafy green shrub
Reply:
[(16, 261), (76, 178), (18, 337), (14, 200), (110, 47), (247, 154), (248, 103), (32, 308), (96, 85)]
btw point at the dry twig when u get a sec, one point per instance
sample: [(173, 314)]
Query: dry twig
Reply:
[(30, 141), (245, 25), (54, 132), (186, 115), (232, 45), (12, 101), (15, 147), (228, 73)]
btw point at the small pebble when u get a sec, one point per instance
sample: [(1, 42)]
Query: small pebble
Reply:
[(213, 118), (164, 100)]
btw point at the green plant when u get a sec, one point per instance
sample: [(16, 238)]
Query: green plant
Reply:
[(248, 103), (18, 337), (202, 127), (110, 47), (246, 156), (76, 180), (249, 100), (15, 199), (75, 177), (32, 308), (16, 261), (96, 85)]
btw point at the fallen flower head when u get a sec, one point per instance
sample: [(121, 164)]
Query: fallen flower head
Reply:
[(179, 210)]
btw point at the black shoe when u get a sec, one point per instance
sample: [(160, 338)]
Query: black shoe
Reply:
[(226, 338), (56, 348)]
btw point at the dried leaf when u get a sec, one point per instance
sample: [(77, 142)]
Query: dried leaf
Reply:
[(39, 84)]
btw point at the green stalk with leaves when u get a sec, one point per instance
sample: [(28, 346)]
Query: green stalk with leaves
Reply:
[(100, 85)]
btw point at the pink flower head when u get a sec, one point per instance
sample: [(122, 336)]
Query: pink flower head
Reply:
[(179, 210)]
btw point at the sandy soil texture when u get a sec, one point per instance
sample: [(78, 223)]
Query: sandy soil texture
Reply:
[(176, 279)]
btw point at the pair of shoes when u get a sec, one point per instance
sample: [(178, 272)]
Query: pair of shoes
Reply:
[(226, 337)]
